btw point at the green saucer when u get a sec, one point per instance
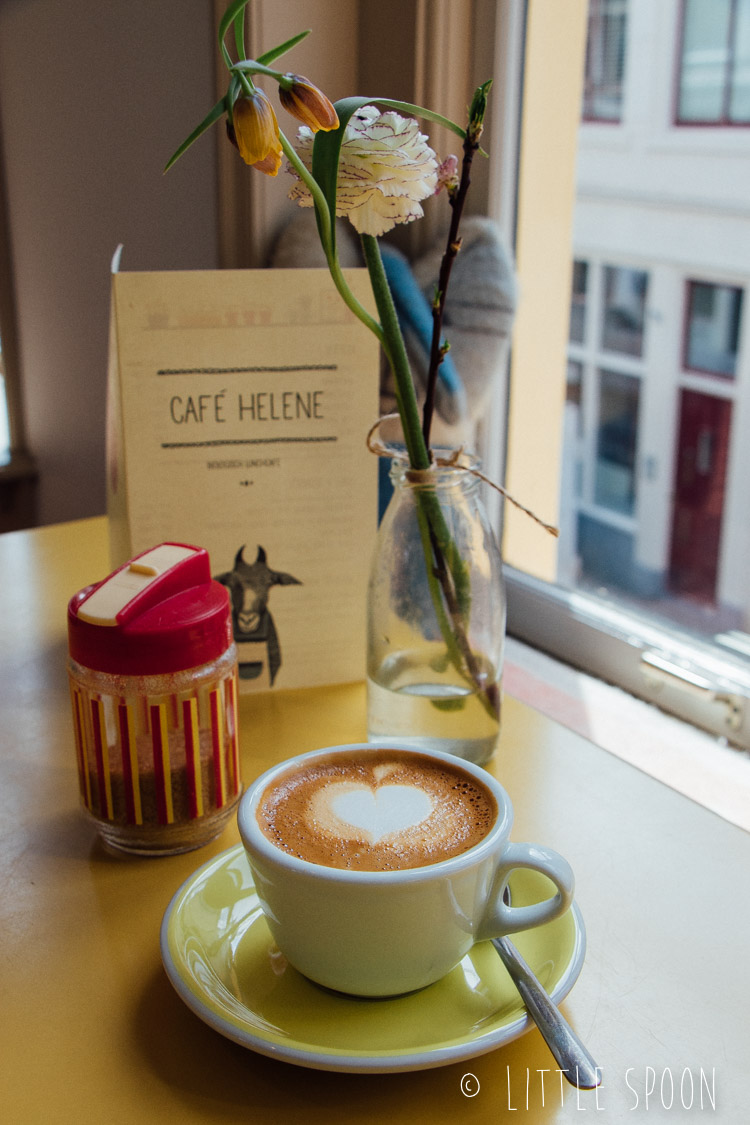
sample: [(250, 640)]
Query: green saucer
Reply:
[(221, 959)]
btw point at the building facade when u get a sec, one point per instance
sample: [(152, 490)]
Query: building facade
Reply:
[(656, 481)]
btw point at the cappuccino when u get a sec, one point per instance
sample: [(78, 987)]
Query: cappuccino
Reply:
[(376, 810)]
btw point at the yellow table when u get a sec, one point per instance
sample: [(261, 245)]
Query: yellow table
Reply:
[(91, 1030)]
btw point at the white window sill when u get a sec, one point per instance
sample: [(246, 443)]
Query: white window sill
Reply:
[(697, 764)]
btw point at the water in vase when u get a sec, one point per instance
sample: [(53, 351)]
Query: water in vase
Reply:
[(416, 699)]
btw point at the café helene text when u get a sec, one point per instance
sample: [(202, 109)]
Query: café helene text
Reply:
[(261, 406)]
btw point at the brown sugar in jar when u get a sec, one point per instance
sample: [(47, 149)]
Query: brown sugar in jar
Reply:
[(155, 725)]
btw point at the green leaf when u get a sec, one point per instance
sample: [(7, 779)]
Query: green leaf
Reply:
[(239, 33), (225, 104), (235, 14), (457, 703), (419, 111), (230, 15), (326, 151), (282, 49), (215, 115), (478, 107), (233, 92)]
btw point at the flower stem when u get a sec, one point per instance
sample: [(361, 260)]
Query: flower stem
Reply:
[(446, 571), (252, 66), (326, 238), (447, 577), (453, 245), (395, 349)]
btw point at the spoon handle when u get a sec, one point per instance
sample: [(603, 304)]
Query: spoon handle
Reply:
[(575, 1061)]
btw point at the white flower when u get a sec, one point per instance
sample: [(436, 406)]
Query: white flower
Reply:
[(386, 168)]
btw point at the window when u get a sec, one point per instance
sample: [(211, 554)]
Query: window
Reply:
[(713, 326), (605, 60), (617, 433), (624, 304), (714, 77), (578, 304), (685, 473), (647, 587), (600, 448)]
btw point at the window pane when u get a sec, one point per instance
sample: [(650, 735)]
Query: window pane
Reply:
[(704, 60), (617, 431), (605, 60), (578, 303), (624, 308), (714, 313), (739, 103)]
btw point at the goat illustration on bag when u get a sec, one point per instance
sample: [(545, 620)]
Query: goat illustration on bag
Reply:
[(249, 586)]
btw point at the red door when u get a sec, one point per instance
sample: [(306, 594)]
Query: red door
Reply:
[(702, 449)]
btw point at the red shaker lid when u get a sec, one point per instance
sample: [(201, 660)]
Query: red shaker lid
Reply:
[(160, 612)]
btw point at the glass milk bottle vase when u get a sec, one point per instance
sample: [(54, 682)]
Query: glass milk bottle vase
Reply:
[(436, 616)]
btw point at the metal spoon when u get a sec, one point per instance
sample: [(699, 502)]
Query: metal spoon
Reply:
[(575, 1061)]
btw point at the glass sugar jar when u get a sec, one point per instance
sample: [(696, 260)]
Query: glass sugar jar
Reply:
[(153, 679)]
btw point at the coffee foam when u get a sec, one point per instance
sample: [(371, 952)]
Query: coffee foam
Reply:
[(376, 810)]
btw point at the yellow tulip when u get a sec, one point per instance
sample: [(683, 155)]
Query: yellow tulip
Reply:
[(256, 132), (308, 104)]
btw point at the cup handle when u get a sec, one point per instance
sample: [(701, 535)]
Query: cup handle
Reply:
[(502, 919)]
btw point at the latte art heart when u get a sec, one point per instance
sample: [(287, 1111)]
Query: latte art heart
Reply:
[(375, 810), (378, 812)]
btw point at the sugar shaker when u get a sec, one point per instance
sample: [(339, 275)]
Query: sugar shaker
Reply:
[(153, 679)]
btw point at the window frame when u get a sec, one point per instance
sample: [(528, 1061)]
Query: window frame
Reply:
[(603, 342), (691, 283), (598, 15), (676, 672), (724, 121), (20, 466), (598, 360)]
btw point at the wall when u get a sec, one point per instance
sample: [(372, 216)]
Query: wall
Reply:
[(94, 97)]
